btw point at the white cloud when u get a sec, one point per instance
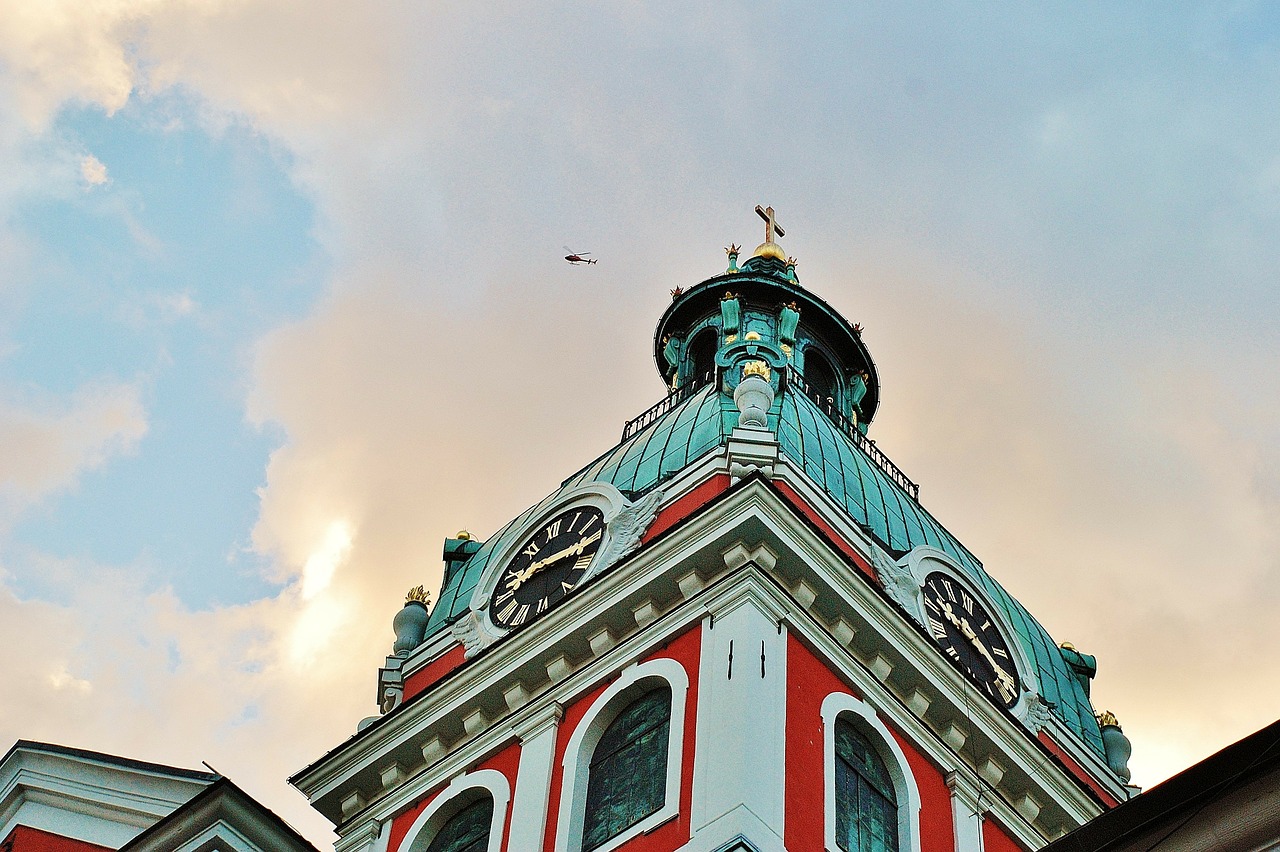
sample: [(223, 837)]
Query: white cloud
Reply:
[(1020, 254), (92, 170), (49, 442)]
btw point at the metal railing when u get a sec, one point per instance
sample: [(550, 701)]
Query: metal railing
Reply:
[(662, 406), (828, 407), (796, 383)]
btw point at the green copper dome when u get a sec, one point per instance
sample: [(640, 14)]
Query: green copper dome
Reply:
[(829, 456), (828, 391)]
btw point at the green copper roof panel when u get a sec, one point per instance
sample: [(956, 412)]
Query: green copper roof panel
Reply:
[(664, 448), (830, 458)]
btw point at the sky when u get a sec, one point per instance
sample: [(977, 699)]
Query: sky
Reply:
[(283, 304)]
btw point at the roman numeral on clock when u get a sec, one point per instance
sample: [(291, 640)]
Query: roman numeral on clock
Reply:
[(505, 612)]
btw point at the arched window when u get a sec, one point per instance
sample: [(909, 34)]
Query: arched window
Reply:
[(702, 354), (466, 816), (872, 801), (866, 806), (627, 779), (822, 380), (467, 830)]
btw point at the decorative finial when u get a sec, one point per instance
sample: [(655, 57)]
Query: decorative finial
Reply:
[(418, 594), (463, 535), (732, 249), (769, 248), (676, 291), (1067, 646), (792, 262), (771, 225), (1107, 719), (756, 368), (857, 328)]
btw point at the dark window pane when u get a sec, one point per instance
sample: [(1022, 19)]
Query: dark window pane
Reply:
[(702, 353), (467, 830), (627, 780), (866, 807)]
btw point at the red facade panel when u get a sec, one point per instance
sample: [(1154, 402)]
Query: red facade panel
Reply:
[(686, 506), (809, 682), (996, 839), (827, 530), (1077, 770), (685, 649), (434, 671), (24, 839), (506, 761)]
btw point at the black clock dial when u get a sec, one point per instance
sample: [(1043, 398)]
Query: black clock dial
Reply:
[(966, 633), (547, 567)]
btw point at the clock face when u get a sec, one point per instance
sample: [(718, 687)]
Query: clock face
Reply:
[(961, 627), (547, 567)]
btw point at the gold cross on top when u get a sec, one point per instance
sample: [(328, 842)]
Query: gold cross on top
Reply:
[(770, 225)]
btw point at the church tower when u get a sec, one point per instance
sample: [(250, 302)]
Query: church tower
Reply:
[(737, 630)]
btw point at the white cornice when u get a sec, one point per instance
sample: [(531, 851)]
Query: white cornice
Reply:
[(648, 600), (104, 801)]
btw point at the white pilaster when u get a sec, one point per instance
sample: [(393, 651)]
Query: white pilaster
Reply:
[(966, 812), (533, 780), (740, 756)]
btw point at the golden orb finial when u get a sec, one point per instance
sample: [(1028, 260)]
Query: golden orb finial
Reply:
[(463, 535), (772, 250)]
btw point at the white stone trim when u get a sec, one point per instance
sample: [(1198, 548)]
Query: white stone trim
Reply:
[(533, 780), (839, 704), (461, 792), (633, 681)]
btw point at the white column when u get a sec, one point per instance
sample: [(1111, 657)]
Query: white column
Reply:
[(739, 759), (533, 779), (966, 812)]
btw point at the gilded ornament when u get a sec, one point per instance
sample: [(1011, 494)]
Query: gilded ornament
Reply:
[(1107, 719), (756, 368), (418, 593), (752, 335), (463, 535)]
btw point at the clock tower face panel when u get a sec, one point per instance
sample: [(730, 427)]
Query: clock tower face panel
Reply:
[(549, 564), (968, 635)]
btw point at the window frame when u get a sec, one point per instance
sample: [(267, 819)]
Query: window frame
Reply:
[(631, 684), (839, 706), (462, 791)]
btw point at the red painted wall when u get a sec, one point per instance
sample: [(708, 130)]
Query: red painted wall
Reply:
[(809, 682), (686, 506), (1077, 770), (434, 671), (506, 761), (832, 536), (686, 650), (996, 839), (24, 839)]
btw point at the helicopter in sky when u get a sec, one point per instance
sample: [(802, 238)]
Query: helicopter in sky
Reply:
[(577, 257)]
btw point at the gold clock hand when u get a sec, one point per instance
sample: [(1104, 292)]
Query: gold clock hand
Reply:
[(1004, 680), (574, 549)]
